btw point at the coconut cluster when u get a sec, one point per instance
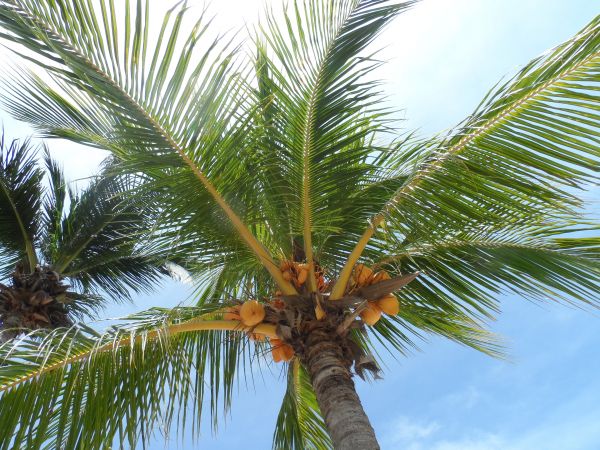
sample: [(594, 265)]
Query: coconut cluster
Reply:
[(388, 304), (294, 314), (297, 274)]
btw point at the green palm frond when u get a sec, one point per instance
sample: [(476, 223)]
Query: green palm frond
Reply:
[(54, 208), (480, 269), (184, 118), (75, 387), (299, 424), (99, 244), (520, 156), (20, 204), (319, 110)]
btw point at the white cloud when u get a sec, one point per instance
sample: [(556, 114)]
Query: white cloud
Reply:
[(563, 428), (408, 432), (465, 399)]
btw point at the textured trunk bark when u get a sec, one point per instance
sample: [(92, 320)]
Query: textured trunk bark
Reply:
[(345, 418)]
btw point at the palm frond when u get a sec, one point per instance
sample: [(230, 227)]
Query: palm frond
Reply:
[(99, 243), (299, 423), (184, 117), (520, 156), (54, 208), (20, 203), (320, 112), (470, 274), (75, 387)]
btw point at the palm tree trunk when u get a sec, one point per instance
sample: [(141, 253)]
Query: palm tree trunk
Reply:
[(345, 418)]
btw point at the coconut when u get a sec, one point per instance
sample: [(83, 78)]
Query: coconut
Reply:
[(321, 285), (280, 350), (276, 349), (389, 304), (371, 314), (287, 275), (380, 276), (302, 274), (362, 274), (277, 354), (287, 352), (252, 313)]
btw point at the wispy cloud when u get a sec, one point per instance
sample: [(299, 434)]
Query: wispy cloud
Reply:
[(403, 431), (563, 429)]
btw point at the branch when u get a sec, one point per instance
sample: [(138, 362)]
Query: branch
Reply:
[(476, 131), (189, 326)]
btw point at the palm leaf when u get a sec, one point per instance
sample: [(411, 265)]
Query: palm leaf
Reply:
[(173, 117), (318, 111), (98, 246), (299, 423), (76, 387), (519, 156), (54, 208), (20, 203), (470, 273)]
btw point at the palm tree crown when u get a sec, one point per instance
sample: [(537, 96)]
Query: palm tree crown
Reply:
[(50, 235), (283, 187)]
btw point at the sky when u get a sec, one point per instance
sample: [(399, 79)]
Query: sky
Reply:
[(443, 57)]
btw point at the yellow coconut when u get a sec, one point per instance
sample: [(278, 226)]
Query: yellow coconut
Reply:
[(277, 354), (371, 314), (389, 304), (232, 313), (381, 276), (280, 350), (276, 349), (321, 285), (287, 275), (302, 274), (252, 313), (287, 352), (362, 274)]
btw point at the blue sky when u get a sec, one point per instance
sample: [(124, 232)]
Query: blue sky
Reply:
[(444, 56)]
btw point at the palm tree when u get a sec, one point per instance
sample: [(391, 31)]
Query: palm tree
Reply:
[(285, 190), (49, 235)]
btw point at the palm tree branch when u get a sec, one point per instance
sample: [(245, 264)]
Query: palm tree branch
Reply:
[(64, 262), (458, 243), (21, 189), (29, 249), (306, 154), (192, 325), (120, 382), (479, 131), (258, 248), (300, 424)]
